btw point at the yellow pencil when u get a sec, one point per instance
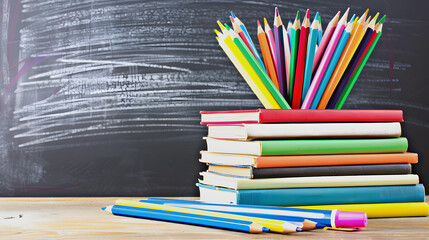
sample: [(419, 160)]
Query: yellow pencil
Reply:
[(352, 44), (246, 70), (273, 225)]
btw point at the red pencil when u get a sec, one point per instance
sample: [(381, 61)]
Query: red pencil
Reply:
[(300, 62)]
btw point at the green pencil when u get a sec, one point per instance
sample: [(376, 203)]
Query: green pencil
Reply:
[(294, 38), (358, 70)]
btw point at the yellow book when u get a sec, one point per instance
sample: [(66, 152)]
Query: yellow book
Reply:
[(380, 210), (249, 74), (274, 225)]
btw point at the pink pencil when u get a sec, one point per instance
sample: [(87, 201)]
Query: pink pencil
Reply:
[(325, 61), (271, 43), (325, 39)]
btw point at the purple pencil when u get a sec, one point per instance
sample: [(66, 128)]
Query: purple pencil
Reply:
[(278, 38), (325, 61)]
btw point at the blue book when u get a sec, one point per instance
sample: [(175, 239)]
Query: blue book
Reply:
[(313, 196)]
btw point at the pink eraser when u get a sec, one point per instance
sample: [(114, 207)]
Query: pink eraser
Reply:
[(350, 219)]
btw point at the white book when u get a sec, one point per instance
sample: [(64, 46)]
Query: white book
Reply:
[(304, 130), (238, 183)]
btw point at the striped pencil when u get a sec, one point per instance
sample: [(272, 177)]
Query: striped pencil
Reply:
[(312, 41), (278, 37), (355, 37), (353, 64), (266, 54), (300, 62), (325, 61), (271, 43), (201, 220), (244, 68), (252, 45), (320, 32), (294, 38), (240, 32), (325, 40), (273, 225), (370, 47), (286, 47), (333, 63), (258, 69)]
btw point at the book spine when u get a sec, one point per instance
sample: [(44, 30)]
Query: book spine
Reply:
[(333, 195), (375, 169), (333, 146), (276, 116)]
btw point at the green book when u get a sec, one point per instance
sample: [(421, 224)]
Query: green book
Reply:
[(308, 147)]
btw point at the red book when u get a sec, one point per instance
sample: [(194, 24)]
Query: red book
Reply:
[(300, 63), (300, 116)]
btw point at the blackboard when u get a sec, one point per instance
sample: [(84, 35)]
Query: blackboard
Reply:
[(102, 97)]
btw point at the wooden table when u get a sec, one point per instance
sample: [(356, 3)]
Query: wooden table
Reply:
[(82, 218)]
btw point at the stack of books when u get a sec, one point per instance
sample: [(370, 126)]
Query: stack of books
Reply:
[(350, 160)]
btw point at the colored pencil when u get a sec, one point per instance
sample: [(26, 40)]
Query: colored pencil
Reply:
[(224, 223), (376, 35), (273, 225), (240, 32), (355, 37), (266, 54), (252, 45), (325, 61), (294, 38), (259, 70), (300, 62), (286, 47), (325, 40), (289, 28), (278, 37), (353, 63), (312, 41), (320, 31), (271, 43), (244, 68), (332, 63)]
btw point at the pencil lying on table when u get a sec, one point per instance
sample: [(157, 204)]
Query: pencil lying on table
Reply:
[(224, 223)]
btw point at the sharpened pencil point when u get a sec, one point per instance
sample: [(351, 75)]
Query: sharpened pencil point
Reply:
[(232, 14), (297, 16), (216, 31), (265, 21), (226, 26), (257, 22), (375, 17), (232, 19), (265, 229), (220, 25), (103, 208), (277, 12), (298, 229), (382, 19), (307, 14), (317, 17), (353, 18), (366, 12), (320, 19)]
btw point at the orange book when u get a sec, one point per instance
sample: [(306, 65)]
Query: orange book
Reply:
[(306, 160)]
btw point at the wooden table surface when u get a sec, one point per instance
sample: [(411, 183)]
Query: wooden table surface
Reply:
[(82, 218)]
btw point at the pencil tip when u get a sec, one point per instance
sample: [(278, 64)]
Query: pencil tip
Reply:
[(226, 26), (257, 21), (216, 31), (375, 17), (232, 19), (265, 21), (232, 14), (298, 229), (103, 208), (347, 11), (297, 16), (220, 25), (353, 18), (320, 19), (382, 19), (307, 14), (277, 12), (317, 17), (366, 12)]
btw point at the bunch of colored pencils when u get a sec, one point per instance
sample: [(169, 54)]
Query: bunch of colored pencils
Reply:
[(302, 66)]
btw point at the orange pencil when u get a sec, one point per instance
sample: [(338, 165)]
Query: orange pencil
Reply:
[(355, 37), (268, 59)]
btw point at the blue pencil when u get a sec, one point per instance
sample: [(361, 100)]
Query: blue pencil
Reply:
[(231, 224), (311, 49), (321, 217), (320, 31), (332, 64), (252, 45)]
